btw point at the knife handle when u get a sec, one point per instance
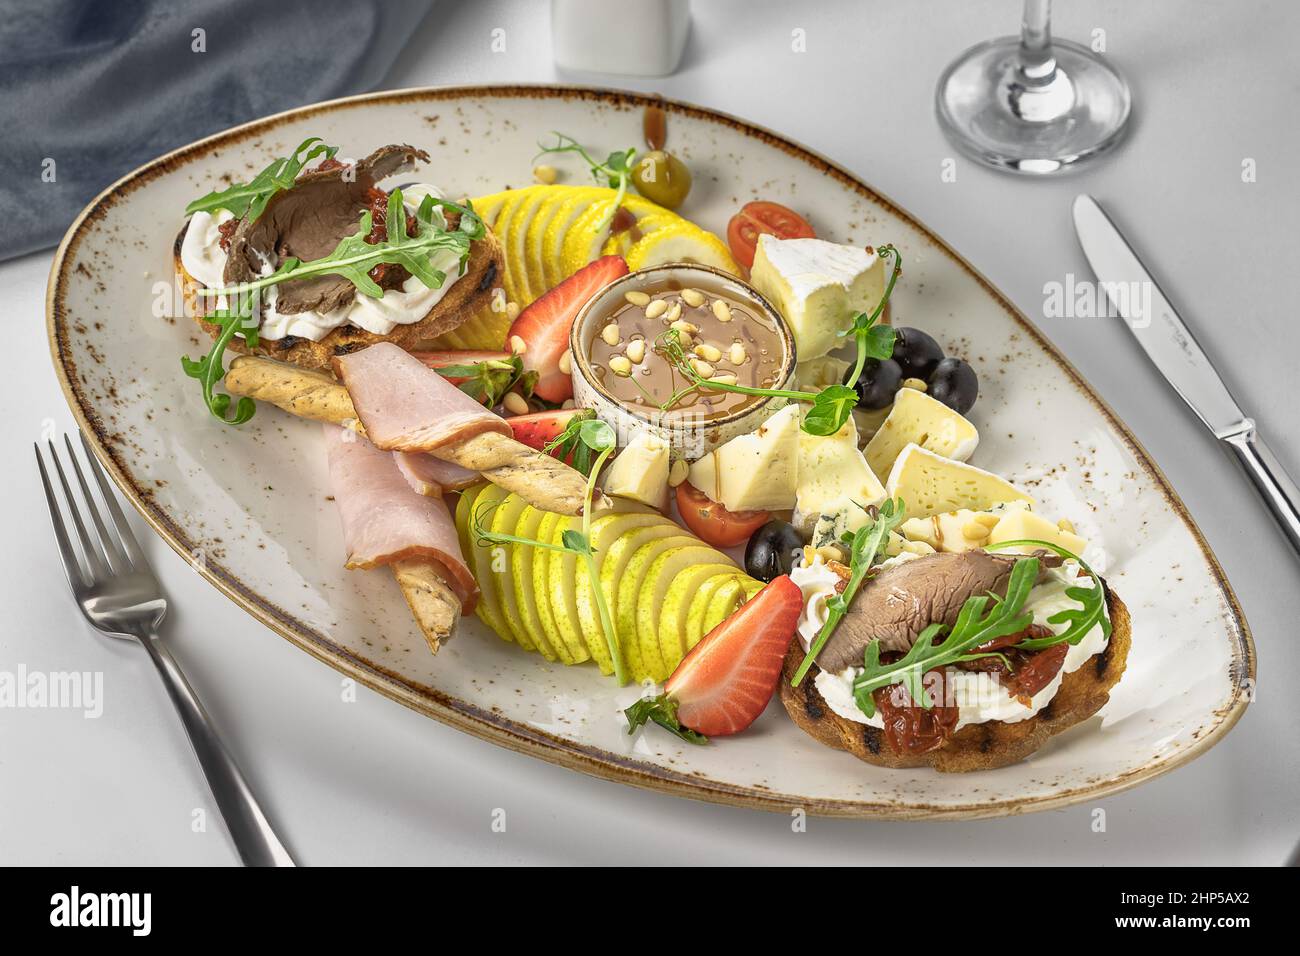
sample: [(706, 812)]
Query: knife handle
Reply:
[(1269, 478)]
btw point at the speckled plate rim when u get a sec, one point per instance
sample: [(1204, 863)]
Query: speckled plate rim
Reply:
[(518, 737)]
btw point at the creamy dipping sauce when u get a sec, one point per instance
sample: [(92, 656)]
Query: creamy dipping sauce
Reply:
[(724, 338)]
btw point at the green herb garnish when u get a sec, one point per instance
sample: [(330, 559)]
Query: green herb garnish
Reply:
[(864, 545), (972, 628), (210, 369), (248, 200), (615, 171), (570, 445), (832, 406), (661, 709), (489, 380), (595, 436), (1092, 601)]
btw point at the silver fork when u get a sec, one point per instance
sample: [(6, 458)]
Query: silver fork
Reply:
[(119, 594)]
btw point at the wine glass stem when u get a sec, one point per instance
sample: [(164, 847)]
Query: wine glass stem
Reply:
[(1037, 64)]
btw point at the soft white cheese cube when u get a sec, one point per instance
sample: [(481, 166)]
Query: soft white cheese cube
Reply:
[(917, 418), (818, 286), (834, 479), (754, 472), (640, 471), (930, 484)]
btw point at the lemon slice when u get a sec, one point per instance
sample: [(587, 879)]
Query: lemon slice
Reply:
[(510, 276), (489, 207), (681, 242), (543, 273), (571, 209), (621, 243)]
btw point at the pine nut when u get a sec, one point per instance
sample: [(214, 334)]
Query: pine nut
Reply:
[(721, 310), (637, 298), (636, 351), (656, 308), (546, 175), (1066, 525), (702, 369), (674, 313), (569, 403), (566, 363), (708, 353), (518, 345), (677, 472), (684, 327), (916, 383), (620, 365), (988, 520), (611, 334), (515, 404), (737, 354), (974, 531), (693, 297), (724, 378), (512, 310)]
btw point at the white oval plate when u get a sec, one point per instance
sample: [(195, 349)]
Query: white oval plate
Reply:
[(249, 506)]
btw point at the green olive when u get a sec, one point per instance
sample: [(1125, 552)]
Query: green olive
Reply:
[(662, 178)]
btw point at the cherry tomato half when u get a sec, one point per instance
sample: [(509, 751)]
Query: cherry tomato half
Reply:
[(756, 218), (714, 524)]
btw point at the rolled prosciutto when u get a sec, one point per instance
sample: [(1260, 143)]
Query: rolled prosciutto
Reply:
[(385, 520), (407, 406)]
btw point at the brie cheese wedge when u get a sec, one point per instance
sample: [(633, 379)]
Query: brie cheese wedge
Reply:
[(930, 484), (834, 480), (917, 418), (754, 472)]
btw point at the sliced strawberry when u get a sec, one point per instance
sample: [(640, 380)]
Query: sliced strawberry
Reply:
[(537, 429), (544, 325), (441, 360), (724, 683)]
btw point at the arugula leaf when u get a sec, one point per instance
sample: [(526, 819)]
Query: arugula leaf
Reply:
[(864, 545), (972, 628), (489, 380), (663, 711), (1090, 613), (354, 257), (210, 369), (248, 200)]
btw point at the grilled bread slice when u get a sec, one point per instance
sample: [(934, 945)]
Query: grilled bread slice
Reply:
[(983, 746), (468, 296)]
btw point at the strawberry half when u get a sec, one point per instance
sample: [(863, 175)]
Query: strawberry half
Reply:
[(724, 683), (544, 325), (538, 428)]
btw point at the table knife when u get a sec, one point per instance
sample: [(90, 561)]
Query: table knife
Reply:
[(1172, 347)]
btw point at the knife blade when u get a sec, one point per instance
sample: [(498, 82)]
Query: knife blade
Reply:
[(1176, 354)]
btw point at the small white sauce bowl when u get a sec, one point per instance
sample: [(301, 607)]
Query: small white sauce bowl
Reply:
[(687, 437)]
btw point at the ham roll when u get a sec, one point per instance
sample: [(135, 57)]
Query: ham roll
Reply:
[(385, 520)]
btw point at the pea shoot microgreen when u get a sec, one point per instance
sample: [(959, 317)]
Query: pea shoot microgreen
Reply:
[(615, 171), (248, 200), (864, 545), (594, 436), (489, 381), (832, 406), (352, 258)]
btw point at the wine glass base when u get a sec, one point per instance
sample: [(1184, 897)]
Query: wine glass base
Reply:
[(995, 115)]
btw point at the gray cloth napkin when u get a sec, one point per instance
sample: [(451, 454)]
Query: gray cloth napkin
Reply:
[(90, 89)]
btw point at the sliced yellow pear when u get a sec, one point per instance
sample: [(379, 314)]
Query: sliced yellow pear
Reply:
[(561, 628), (515, 243), (700, 603), (622, 589), (1015, 525), (606, 531), (681, 242), (517, 517), (492, 564), (640, 471), (663, 617), (479, 560), (562, 571), (758, 471), (930, 484), (918, 419), (724, 604), (573, 206)]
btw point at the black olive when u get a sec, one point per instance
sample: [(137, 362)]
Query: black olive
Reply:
[(772, 550), (955, 384), (879, 380), (916, 353)]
